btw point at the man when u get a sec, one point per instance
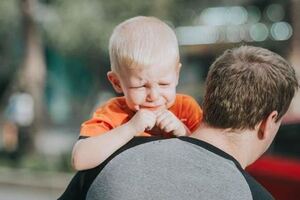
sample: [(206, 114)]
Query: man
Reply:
[(248, 90)]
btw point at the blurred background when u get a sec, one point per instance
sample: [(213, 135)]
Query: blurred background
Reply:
[(53, 65)]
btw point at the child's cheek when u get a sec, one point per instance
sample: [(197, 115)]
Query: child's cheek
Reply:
[(137, 97), (170, 97)]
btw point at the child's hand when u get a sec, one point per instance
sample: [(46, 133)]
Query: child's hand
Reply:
[(168, 122), (143, 120)]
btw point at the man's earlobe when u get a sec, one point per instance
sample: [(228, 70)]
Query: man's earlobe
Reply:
[(261, 129), (115, 81)]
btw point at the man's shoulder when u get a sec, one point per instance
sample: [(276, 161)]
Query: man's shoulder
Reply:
[(236, 174), (81, 182), (257, 190), (159, 163)]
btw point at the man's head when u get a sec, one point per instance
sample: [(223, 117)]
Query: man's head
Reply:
[(145, 64), (248, 90), (245, 85)]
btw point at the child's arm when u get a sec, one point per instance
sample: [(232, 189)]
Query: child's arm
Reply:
[(168, 122), (90, 152)]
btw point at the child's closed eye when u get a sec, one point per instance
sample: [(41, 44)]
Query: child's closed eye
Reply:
[(137, 87), (164, 84)]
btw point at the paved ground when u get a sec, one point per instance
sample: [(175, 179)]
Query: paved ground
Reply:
[(21, 184), (16, 192)]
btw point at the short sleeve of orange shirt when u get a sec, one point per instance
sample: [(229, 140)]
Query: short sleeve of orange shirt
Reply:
[(115, 113)]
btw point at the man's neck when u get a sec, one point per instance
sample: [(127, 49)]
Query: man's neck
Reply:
[(236, 144)]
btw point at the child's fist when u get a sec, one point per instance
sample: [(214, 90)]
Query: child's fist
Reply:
[(143, 120), (168, 122)]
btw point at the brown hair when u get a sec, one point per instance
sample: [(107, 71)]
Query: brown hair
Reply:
[(244, 85)]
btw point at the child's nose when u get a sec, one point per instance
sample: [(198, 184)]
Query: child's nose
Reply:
[(153, 94)]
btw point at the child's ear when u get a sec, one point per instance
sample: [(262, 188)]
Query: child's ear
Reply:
[(179, 68), (115, 81), (178, 72)]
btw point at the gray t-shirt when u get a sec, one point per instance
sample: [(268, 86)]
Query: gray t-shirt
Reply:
[(174, 169)]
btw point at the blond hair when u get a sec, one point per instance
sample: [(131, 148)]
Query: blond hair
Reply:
[(244, 85), (142, 41)]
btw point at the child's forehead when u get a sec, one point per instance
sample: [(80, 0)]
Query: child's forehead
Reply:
[(153, 73), (156, 67), (139, 76)]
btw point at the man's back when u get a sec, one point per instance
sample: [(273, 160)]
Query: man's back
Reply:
[(183, 168)]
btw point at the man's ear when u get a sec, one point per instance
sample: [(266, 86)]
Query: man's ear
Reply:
[(269, 126), (115, 81)]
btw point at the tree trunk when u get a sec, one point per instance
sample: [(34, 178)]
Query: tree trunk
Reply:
[(33, 70)]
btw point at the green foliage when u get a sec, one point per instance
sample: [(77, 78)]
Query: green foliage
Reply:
[(9, 16), (78, 27), (75, 26), (10, 51)]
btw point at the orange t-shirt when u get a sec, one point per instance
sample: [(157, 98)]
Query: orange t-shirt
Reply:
[(115, 113)]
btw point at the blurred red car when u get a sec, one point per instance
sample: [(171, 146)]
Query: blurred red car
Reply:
[(279, 169)]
